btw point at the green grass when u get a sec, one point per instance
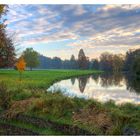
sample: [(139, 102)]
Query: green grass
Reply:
[(41, 79), (99, 118)]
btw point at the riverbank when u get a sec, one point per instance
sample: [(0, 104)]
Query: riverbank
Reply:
[(18, 96), (36, 112)]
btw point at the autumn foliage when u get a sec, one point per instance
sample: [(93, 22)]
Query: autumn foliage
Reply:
[(21, 65)]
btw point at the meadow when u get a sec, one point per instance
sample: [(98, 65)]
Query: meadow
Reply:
[(26, 108)]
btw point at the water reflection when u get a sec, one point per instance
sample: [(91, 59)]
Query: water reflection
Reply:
[(72, 81), (82, 82), (133, 84), (118, 87)]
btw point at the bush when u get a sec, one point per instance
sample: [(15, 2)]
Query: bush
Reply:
[(5, 96)]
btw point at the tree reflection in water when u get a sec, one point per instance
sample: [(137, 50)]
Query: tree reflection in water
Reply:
[(107, 80), (82, 82), (132, 83), (73, 81)]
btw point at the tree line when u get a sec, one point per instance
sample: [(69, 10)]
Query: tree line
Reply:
[(107, 61)]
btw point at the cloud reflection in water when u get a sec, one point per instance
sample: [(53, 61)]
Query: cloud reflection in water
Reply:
[(105, 87)]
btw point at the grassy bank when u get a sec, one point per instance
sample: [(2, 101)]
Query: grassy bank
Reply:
[(30, 110), (40, 79)]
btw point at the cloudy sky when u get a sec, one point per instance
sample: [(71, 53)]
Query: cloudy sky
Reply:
[(61, 30)]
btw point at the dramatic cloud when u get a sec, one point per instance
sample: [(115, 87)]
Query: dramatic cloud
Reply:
[(96, 28)]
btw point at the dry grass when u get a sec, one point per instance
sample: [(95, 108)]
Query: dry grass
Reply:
[(94, 117), (18, 107)]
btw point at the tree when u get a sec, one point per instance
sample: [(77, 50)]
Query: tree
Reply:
[(94, 64), (106, 61), (21, 65), (73, 62), (31, 58), (56, 62), (118, 63), (111, 62), (136, 65), (7, 50), (132, 60), (128, 65), (82, 60)]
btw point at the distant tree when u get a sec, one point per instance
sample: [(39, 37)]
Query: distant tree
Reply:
[(73, 62), (82, 60), (31, 58), (106, 61), (44, 62), (118, 63), (57, 63), (66, 64), (94, 64), (21, 65), (111, 62), (7, 51)]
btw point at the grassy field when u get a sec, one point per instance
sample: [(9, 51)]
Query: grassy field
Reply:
[(41, 79), (27, 109)]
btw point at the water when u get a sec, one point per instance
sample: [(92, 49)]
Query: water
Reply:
[(104, 87)]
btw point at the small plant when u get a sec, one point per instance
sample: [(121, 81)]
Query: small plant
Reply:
[(21, 66), (5, 97)]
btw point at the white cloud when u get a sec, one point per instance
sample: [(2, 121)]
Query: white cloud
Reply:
[(110, 27)]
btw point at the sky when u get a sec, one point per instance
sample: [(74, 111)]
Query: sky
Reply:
[(62, 30)]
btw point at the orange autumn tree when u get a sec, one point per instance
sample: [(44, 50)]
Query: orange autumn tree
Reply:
[(21, 65)]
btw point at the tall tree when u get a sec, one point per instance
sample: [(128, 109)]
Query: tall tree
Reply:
[(7, 50), (82, 60), (31, 58)]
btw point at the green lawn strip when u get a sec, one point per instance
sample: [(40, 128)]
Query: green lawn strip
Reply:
[(39, 79)]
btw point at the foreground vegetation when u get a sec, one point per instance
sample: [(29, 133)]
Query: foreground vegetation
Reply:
[(27, 108)]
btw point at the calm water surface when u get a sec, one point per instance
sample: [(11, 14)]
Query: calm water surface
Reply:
[(104, 87)]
